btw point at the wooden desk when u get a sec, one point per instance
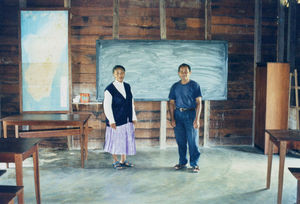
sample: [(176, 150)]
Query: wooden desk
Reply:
[(16, 150), (280, 138), (78, 121)]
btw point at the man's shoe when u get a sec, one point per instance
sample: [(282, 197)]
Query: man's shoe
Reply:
[(179, 166), (195, 169)]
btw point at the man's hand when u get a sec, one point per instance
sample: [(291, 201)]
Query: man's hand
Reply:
[(173, 123), (196, 124), (113, 126)]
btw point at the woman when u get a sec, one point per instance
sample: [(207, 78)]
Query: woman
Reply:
[(120, 119)]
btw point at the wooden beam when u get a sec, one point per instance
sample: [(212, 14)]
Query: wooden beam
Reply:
[(162, 16), (257, 31), (67, 3), (208, 36), (22, 4), (163, 104), (257, 56), (280, 31), (116, 20), (291, 42), (163, 125), (208, 20)]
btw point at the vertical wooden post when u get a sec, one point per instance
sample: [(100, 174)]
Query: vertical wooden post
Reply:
[(116, 20), (297, 98), (291, 42), (162, 16), (257, 57), (67, 4), (207, 103), (163, 104), (257, 31), (280, 32), (208, 20), (206, 123), (163, 125), (22, 4)]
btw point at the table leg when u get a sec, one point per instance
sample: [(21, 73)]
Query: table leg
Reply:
[(270, 157), (281, 170), (35, 156), (298, 192), (82, 146), (16, 131), (4, 129), (19, 175), (86, 136)]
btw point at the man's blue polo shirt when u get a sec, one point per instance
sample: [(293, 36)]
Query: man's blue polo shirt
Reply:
[(185, 94)]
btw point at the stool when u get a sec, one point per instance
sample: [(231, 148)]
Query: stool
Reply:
[(296, 173)]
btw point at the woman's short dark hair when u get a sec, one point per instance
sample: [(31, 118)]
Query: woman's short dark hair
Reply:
[(184, 65), (118, 67)]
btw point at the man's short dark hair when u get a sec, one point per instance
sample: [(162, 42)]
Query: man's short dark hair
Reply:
[(118, 67), (184, 65)]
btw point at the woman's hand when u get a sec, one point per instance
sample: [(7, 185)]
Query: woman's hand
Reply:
[(113, 126), (134, 122)]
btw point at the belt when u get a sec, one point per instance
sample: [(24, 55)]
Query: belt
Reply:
[(185, 109)]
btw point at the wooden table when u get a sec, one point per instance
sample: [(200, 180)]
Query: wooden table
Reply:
[(16, 150), (280, 138), (79, 122)]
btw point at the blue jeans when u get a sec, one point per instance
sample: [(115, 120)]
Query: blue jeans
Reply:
[(185, 133)]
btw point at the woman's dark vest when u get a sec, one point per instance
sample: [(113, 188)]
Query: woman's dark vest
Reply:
[(121, 107)]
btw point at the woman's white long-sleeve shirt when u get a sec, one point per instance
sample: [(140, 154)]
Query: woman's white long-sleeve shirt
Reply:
[(107, 103)]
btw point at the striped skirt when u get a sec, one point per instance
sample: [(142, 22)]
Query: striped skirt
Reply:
[(120, 140)]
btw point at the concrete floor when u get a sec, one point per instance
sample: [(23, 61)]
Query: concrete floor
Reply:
[(227, 175)]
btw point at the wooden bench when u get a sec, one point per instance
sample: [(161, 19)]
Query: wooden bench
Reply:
[(8, 193), (296, 173)]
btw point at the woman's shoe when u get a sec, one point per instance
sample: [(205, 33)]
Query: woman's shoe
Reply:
[(117, 165), (127, 164)]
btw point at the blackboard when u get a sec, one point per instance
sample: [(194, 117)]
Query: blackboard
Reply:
[(152, 66)]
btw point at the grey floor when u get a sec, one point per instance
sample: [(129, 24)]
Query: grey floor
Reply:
[(227, 175)]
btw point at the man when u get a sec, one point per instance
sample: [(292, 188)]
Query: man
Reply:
[(185, 109)]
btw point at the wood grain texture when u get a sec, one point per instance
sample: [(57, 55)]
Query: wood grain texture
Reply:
[(277, 93), (231, 20)]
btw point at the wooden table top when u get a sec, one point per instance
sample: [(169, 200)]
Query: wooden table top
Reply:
[(17, 145), (48, 117), (10, 189), (285, 135), (295, 172)]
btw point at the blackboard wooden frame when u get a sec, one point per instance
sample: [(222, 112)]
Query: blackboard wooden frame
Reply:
[(151, 66)]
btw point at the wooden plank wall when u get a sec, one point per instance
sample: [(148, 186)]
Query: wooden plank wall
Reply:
[(230, 121), (231, 20)]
